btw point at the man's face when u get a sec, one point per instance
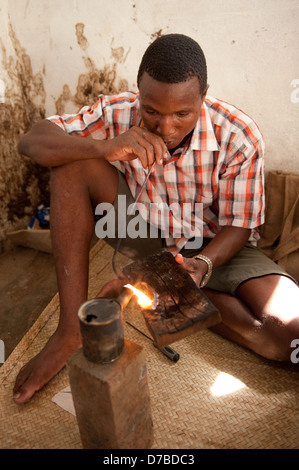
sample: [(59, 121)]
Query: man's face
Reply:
[(170, 110)]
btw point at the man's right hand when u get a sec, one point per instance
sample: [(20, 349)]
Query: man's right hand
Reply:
[(139, 143)]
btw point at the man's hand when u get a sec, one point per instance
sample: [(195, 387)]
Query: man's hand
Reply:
[(221, 249), (195, 267), (112, 289), (137, 142)]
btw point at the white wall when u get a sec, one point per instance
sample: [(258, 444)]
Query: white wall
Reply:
[(252, 51)]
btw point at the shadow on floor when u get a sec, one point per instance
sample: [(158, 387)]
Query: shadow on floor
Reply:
[(27, 284)]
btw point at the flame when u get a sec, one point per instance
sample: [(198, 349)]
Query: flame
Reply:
[(143, 300)]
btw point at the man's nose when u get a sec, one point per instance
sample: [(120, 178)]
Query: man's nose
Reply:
[(165, 126)]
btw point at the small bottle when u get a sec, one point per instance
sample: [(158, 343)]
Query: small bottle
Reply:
[(108, 380)]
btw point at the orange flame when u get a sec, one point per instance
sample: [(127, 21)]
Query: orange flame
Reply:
[(143, 300)]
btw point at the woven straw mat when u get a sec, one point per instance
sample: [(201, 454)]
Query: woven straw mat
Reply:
[(192, 408)]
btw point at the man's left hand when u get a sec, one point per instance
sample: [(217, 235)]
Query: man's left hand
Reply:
[(196, 268)]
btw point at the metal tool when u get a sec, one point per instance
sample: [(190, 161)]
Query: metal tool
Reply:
[(145, 181), (167, 351), (136, 200)]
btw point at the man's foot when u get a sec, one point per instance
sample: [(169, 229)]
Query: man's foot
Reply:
[(44, 366)]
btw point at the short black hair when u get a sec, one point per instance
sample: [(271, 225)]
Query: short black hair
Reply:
[(174, 58)]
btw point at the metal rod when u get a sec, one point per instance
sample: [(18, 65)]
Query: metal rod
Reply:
[(167, 351), (120, 239)]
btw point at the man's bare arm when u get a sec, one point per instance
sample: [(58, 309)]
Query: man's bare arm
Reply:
[(48, 145)]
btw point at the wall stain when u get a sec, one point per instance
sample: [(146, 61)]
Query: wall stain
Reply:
[(81, 39), (23, 184), (156, 35), (95, 81)]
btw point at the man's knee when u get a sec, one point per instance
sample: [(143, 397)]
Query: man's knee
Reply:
[(274, 301), (67, 174), (97, 178), (279, 339), (80, 169)]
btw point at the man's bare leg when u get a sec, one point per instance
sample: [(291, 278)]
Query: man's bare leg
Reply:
[(75, 190), (264, 316)]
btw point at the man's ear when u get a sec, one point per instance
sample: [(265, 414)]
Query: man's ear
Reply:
[(205, 92)]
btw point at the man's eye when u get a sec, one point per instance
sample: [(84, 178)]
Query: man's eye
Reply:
[(182, 114), (149, 111)]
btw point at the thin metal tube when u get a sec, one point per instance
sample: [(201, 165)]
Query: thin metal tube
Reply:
[(120, 276)]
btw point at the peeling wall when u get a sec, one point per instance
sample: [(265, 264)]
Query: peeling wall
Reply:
[(22, 183), (95, 81), (58, 56)]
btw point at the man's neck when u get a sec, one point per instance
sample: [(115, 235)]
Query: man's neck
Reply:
[(182, 143)]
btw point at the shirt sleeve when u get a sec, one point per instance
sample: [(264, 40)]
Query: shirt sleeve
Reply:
[(241, 185), (89, 121)]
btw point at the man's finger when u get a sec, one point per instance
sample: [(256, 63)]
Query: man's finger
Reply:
[(185, 263), (188, 264), (179, 258), (156, 146)]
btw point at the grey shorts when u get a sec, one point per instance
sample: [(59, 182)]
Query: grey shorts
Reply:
[(249, 263)]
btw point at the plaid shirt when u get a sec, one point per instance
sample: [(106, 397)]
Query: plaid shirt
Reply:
[(220, 167)]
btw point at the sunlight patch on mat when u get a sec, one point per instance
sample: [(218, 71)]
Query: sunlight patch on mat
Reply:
[(225, 384)]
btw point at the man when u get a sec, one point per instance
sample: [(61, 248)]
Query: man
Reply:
[(205, 152)]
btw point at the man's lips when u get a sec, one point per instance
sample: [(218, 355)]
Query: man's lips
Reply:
[(169, 143)]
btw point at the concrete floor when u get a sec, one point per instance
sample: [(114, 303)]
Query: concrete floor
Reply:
[(27, 284)]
